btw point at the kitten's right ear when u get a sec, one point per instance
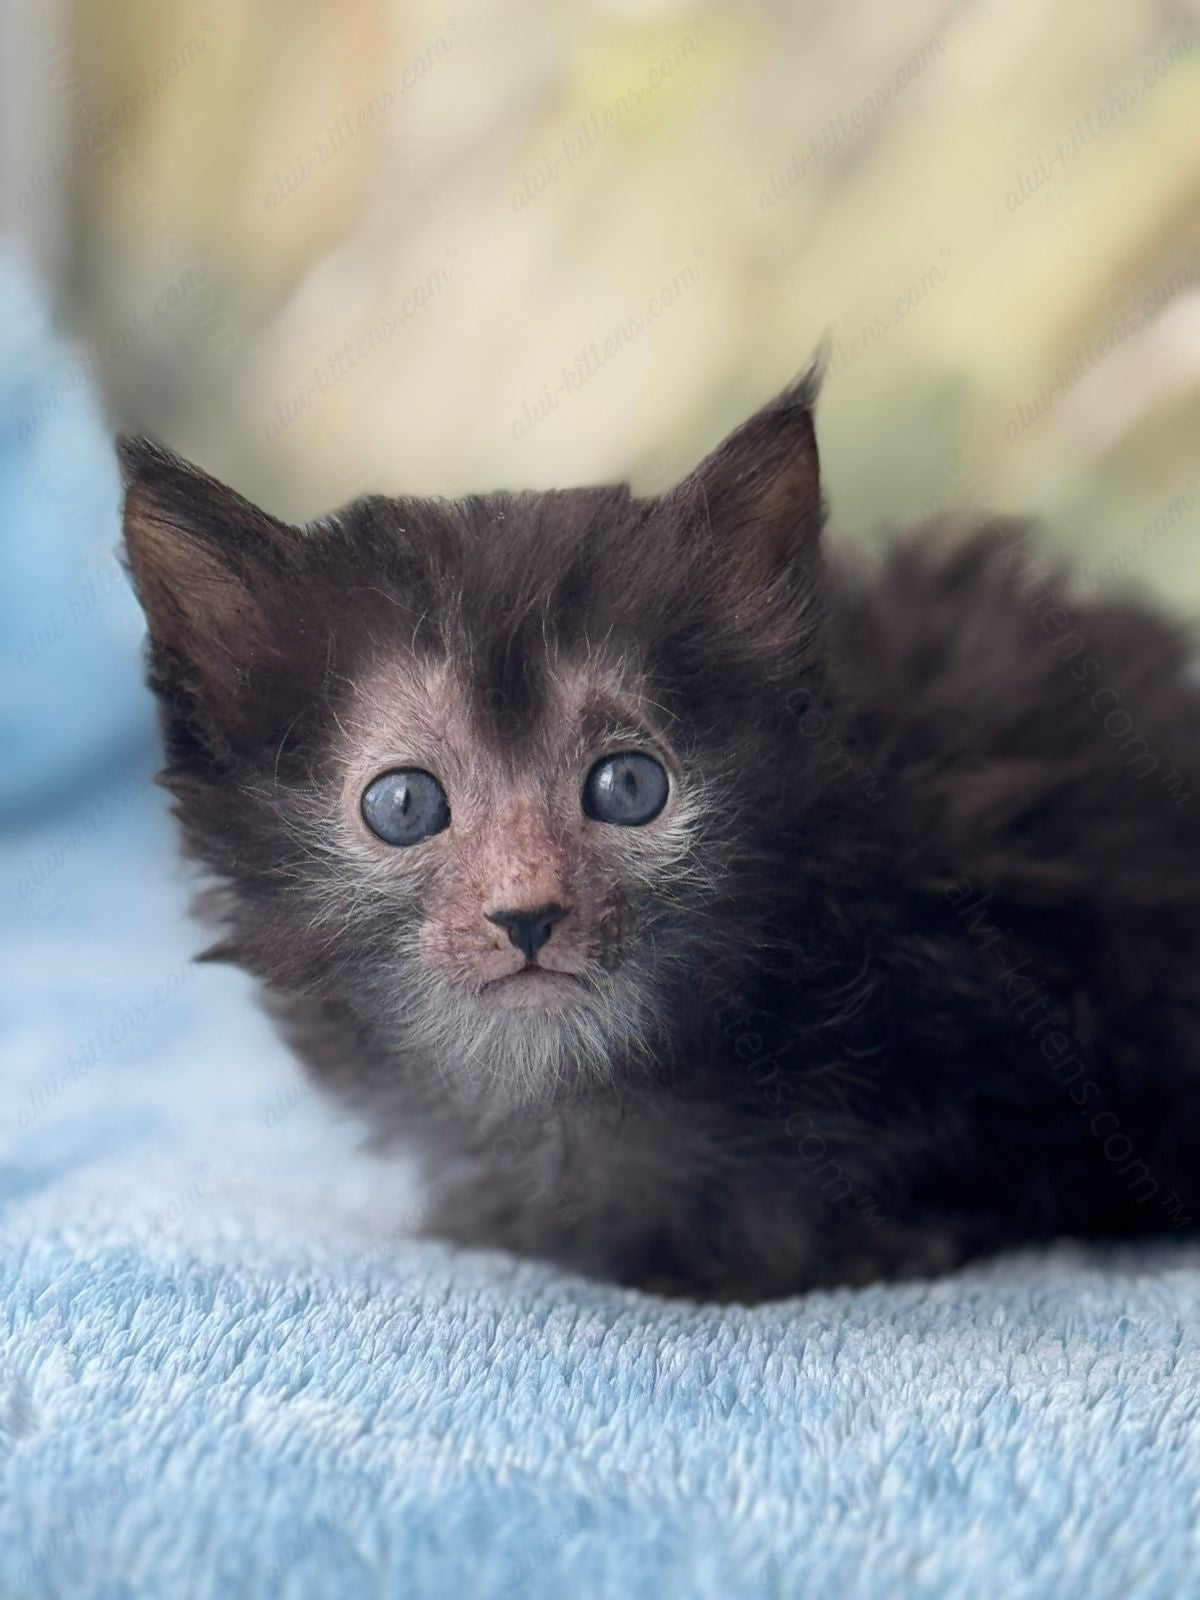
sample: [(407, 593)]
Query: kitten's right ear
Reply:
[(759, 492), (203, 561)]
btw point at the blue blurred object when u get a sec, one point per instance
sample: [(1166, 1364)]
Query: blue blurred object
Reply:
[(225, 1373), (72, 707)]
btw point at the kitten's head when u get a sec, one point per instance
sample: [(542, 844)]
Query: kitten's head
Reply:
[(501, 782)]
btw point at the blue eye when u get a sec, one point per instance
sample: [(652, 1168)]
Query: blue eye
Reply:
[(626, 789), (405, 806)]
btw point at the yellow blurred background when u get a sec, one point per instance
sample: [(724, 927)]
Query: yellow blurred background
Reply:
[(324, 249)]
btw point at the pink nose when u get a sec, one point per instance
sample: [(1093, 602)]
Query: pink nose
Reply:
[(530, 928)]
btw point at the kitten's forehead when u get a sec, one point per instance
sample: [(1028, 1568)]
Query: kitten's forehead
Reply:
[(458, 715)]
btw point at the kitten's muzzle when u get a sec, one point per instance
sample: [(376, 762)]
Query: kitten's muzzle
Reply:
[(529, 929)]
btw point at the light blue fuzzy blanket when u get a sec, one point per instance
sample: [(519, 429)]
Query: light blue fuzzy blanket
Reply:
[(223, 1374)]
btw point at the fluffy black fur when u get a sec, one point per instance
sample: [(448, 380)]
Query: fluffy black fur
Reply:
[(937, 987)]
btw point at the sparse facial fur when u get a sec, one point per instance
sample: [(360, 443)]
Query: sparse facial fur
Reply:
[(702, 912)]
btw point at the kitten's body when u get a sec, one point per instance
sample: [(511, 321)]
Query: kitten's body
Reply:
[(906, 968)]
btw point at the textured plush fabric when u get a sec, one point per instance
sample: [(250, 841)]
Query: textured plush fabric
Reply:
[(223, 1372)]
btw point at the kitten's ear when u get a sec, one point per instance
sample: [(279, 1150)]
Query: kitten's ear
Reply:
[(760, 490), (203, 560)]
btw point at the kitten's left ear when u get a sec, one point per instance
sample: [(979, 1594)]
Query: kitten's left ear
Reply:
[(204, 562), (193, 544), (761, 488)]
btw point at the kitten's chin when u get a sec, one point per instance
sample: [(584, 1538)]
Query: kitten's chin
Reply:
[(530, 1037), (533, 989)]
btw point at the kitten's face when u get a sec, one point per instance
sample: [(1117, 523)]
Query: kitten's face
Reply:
[(530, 872), (498, 781)]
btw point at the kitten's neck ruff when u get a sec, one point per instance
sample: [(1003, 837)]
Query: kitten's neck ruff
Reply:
[(440, 1050)]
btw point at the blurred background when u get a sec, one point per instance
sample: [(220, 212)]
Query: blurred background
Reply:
[(386, 244)]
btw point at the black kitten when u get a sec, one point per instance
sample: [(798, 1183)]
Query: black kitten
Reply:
[(705, 916)]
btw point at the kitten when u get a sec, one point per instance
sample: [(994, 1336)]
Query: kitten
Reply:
[(706, 913)]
